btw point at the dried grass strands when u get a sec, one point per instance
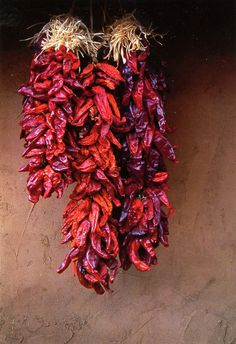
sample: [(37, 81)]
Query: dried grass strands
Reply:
[(124, 36), (69, 32)]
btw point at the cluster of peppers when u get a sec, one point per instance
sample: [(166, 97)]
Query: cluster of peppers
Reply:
[(143, 223), (47, 108), (88, 222), (74, 133)]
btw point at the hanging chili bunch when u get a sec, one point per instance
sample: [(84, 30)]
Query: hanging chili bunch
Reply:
[(143, 223), (68, 115), (88, 218), (74, 133), (49, 98)]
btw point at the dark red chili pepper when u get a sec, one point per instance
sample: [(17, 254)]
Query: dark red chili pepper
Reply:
[(87, 71), (110, 71), (164, 146), (87, 166), (138, 94), (80, 111), (102, 104), (90, 139), (81, 235), (160, 177), (94, 216), (89, 80), (66, 262), (135, 213), (135, 258), (106, 82)]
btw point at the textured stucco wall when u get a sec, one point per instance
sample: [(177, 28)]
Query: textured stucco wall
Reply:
[(190, 297)]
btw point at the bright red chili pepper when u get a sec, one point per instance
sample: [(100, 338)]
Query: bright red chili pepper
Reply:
[(135, 258)]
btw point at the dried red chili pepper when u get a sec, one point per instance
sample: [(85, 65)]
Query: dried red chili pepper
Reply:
[(109, 70)]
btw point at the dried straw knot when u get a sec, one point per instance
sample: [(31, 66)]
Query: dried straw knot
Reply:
[(124, 36), (69, 32)]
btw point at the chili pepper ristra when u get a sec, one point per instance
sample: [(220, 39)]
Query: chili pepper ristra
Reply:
[(97, 120), (143, 221), (69, 111), (49, 99), (88, 219)]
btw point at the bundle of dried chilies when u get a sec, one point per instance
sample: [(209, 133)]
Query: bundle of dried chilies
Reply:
[(74, 132), (88, 222), (49, 98), (143, 223)]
